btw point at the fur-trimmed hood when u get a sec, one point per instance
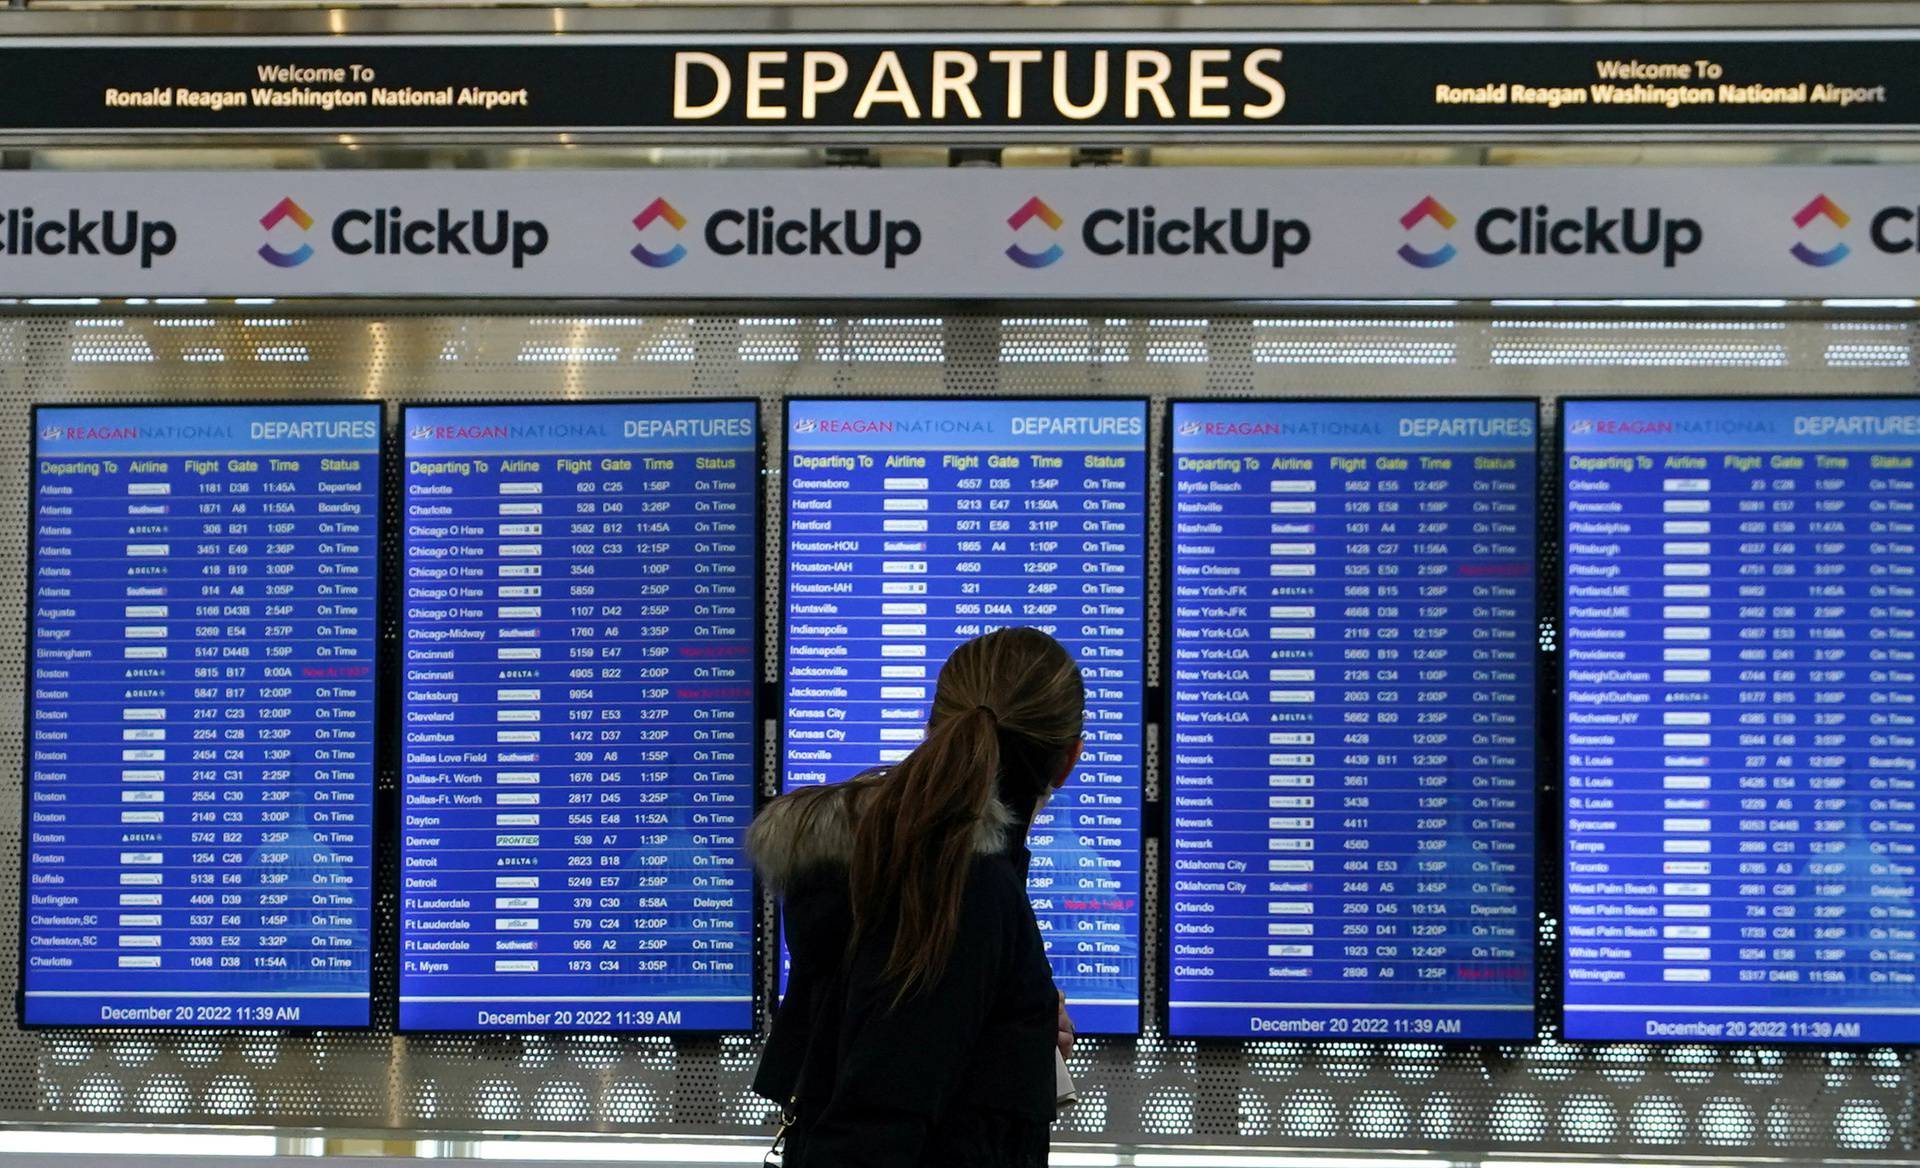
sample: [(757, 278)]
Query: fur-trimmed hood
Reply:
[(813, 828)]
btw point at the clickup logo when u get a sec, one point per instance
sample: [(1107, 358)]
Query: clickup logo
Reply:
[(1428, 208), (659, 209), (1035, 208), (286, 209), (1820, 207)]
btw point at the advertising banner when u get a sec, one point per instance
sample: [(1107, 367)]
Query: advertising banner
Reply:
[(1185, 233), (1055, 86)]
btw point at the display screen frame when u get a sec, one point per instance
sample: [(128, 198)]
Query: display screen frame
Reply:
[(757, 1005), (1558, 819), (1148, 826), (1546, 769), (380, 742)]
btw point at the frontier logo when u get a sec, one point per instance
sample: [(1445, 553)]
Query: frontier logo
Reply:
[(286, 209), (660, 209), (1820, 208), (1428, 208), (1035, 208)]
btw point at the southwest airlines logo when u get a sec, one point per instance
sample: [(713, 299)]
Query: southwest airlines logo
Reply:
[(1035, 208), (1821, 206), (1428, 208), (286, 209), (660, 209)]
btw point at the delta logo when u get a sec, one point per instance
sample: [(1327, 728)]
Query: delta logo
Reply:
[(284, 210), (1035, 208), (1821, 207), (1428, 208), (660, 209)]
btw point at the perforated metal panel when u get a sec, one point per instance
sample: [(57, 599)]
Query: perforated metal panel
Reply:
[(1544, 1096)]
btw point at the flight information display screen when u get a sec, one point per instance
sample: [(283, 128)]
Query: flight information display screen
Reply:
[(1742, 821), (1353, 719), (913, 526), (200, 774), (579, 640)]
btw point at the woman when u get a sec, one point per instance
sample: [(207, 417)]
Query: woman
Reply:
[(920, 1019)]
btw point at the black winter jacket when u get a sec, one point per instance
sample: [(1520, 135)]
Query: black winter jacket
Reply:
[(959, 1074)]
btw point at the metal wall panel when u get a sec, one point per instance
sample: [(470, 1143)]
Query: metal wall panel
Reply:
[(1546, 1096)]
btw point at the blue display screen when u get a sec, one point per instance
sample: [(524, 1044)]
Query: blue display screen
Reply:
[(579, 637), (200, 776), (1742, 831), (1353, 719), (913, 526)]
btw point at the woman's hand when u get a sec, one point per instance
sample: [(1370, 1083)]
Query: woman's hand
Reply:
[(1064, 1038)]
